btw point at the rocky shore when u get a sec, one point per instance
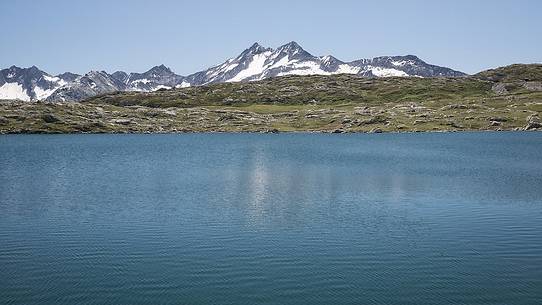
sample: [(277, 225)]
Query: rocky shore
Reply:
[(21, 117)]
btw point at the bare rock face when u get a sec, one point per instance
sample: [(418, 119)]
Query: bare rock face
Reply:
[(499, 89), (122, 121), (533, 86), (90, 84)]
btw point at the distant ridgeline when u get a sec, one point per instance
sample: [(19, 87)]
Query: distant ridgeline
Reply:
[(254, 63)]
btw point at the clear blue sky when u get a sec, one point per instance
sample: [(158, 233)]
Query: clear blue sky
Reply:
[(187, 36)]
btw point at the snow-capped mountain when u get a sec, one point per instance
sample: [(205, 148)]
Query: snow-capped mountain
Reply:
[(257, 62), (408, 65), (29, 83), (100, 82), (88, 85), (254, 63), (158, 77)]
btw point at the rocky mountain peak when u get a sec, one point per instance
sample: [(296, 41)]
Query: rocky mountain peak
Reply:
[(68, 76), (292, 45), (294, 51), (255, 63), (256, 48), (161, 69)]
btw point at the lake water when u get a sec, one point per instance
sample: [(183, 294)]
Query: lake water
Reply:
[(450, 218)]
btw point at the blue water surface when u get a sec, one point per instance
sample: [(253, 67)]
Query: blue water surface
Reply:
[(430, 218)]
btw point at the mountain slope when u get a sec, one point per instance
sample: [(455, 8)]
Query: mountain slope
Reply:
[(88, 85), (159, 77), (257, 62), (100, 82), (28, 84), (513, 73), (254, 63)]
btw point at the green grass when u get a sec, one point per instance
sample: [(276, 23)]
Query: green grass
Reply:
[(513, 73), (302, 90)]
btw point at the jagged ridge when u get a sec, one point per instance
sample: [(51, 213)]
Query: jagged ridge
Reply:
[(254, 63)]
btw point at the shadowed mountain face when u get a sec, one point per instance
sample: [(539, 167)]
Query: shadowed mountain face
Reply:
[(254, 63), (88, 85), (29, 83), (96, 83)]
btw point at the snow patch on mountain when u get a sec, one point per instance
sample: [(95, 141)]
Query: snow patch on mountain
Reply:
[(161, 87), (13, 91), (256, 67), (143, 81), (55, 79), (280, 63), (184, 84), (386, 72), (399, 63), (42, 94), (347, 69), (303, 68)]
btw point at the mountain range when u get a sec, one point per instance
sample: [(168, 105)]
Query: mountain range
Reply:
[(254, 63)]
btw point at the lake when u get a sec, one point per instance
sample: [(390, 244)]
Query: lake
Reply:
[(432, 218)]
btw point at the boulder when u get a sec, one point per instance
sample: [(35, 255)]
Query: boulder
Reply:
[(533, 86), (533, 122), (498, 119), (122, 121), (495, 123), (533, 118), (532, 126), (49, 118)]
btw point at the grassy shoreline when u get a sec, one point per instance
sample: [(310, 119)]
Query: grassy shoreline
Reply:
[(18, 117)]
